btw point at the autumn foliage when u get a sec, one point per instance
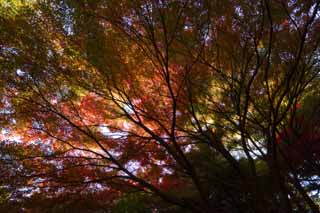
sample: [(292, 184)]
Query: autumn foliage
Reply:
[(159, 106)]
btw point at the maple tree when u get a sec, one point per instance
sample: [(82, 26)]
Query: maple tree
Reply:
[(169, 105)]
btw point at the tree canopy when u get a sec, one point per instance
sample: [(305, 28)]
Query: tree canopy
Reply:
[(159, 105)]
